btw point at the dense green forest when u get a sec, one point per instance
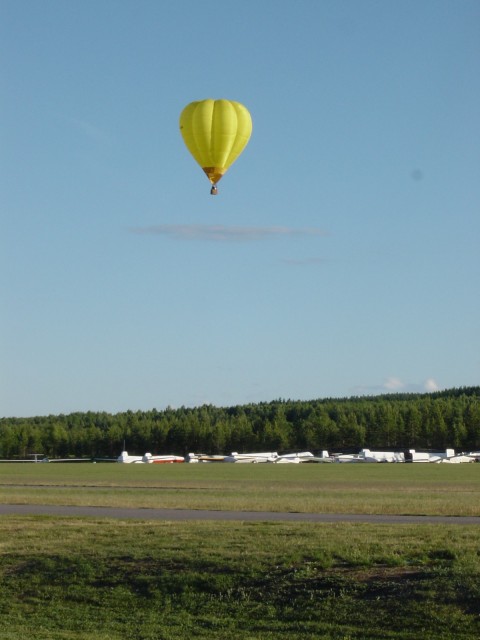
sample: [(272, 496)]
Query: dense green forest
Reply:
[(395, 421)]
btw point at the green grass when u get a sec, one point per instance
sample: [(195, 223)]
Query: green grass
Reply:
[(99, 579), (373, 488), (84, 579)]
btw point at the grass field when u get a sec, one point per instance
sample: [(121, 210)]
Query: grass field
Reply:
[(86, 579), (425, 489)]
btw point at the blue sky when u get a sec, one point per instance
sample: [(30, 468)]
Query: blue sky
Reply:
[(341, 255)]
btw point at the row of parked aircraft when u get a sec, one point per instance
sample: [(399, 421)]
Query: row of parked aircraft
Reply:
[(410, 455), (365, 455), (268, 456)]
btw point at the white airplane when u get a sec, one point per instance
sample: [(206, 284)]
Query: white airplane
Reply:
[(127, 459), (425, 456), (291, 458), (203, 457), (149, 459), (34, 457), (347, 457), (366, 455), (302, 458), (381, 456), (269, 456), (324, 457), (67, 460), (460, 458), (410, 455)]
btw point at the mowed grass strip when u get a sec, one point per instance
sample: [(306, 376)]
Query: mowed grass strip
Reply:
[(428, 489), (85, 579), (417, 489)]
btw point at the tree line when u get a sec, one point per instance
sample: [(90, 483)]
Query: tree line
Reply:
[(447, 419)]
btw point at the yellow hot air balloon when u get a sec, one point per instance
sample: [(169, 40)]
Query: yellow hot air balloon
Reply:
[(215, 132)]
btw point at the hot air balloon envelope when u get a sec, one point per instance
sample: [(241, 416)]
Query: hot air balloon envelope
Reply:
[(215, 132)]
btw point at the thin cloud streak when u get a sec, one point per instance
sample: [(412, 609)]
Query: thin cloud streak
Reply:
[(90, 130), (395, 385), (300, 262), (223, 233)]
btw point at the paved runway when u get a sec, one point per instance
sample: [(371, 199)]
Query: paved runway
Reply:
[(242, 516)]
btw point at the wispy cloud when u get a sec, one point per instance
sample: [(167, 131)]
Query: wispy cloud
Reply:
[(299, 262), (90, 130), (430, 385), (395, 385), (224, 233)]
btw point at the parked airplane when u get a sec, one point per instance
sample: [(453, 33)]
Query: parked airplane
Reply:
[(124, 457), (67, 460), (347, 457), (269, 456), (149, 459), (302, 458), (323, 457), (381, 456), (428, 456), (461, 458), (290, 458), (203, 457), (410, 455), (366, 455)]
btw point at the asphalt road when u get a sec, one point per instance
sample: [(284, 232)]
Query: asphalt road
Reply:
[(241, 516)]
